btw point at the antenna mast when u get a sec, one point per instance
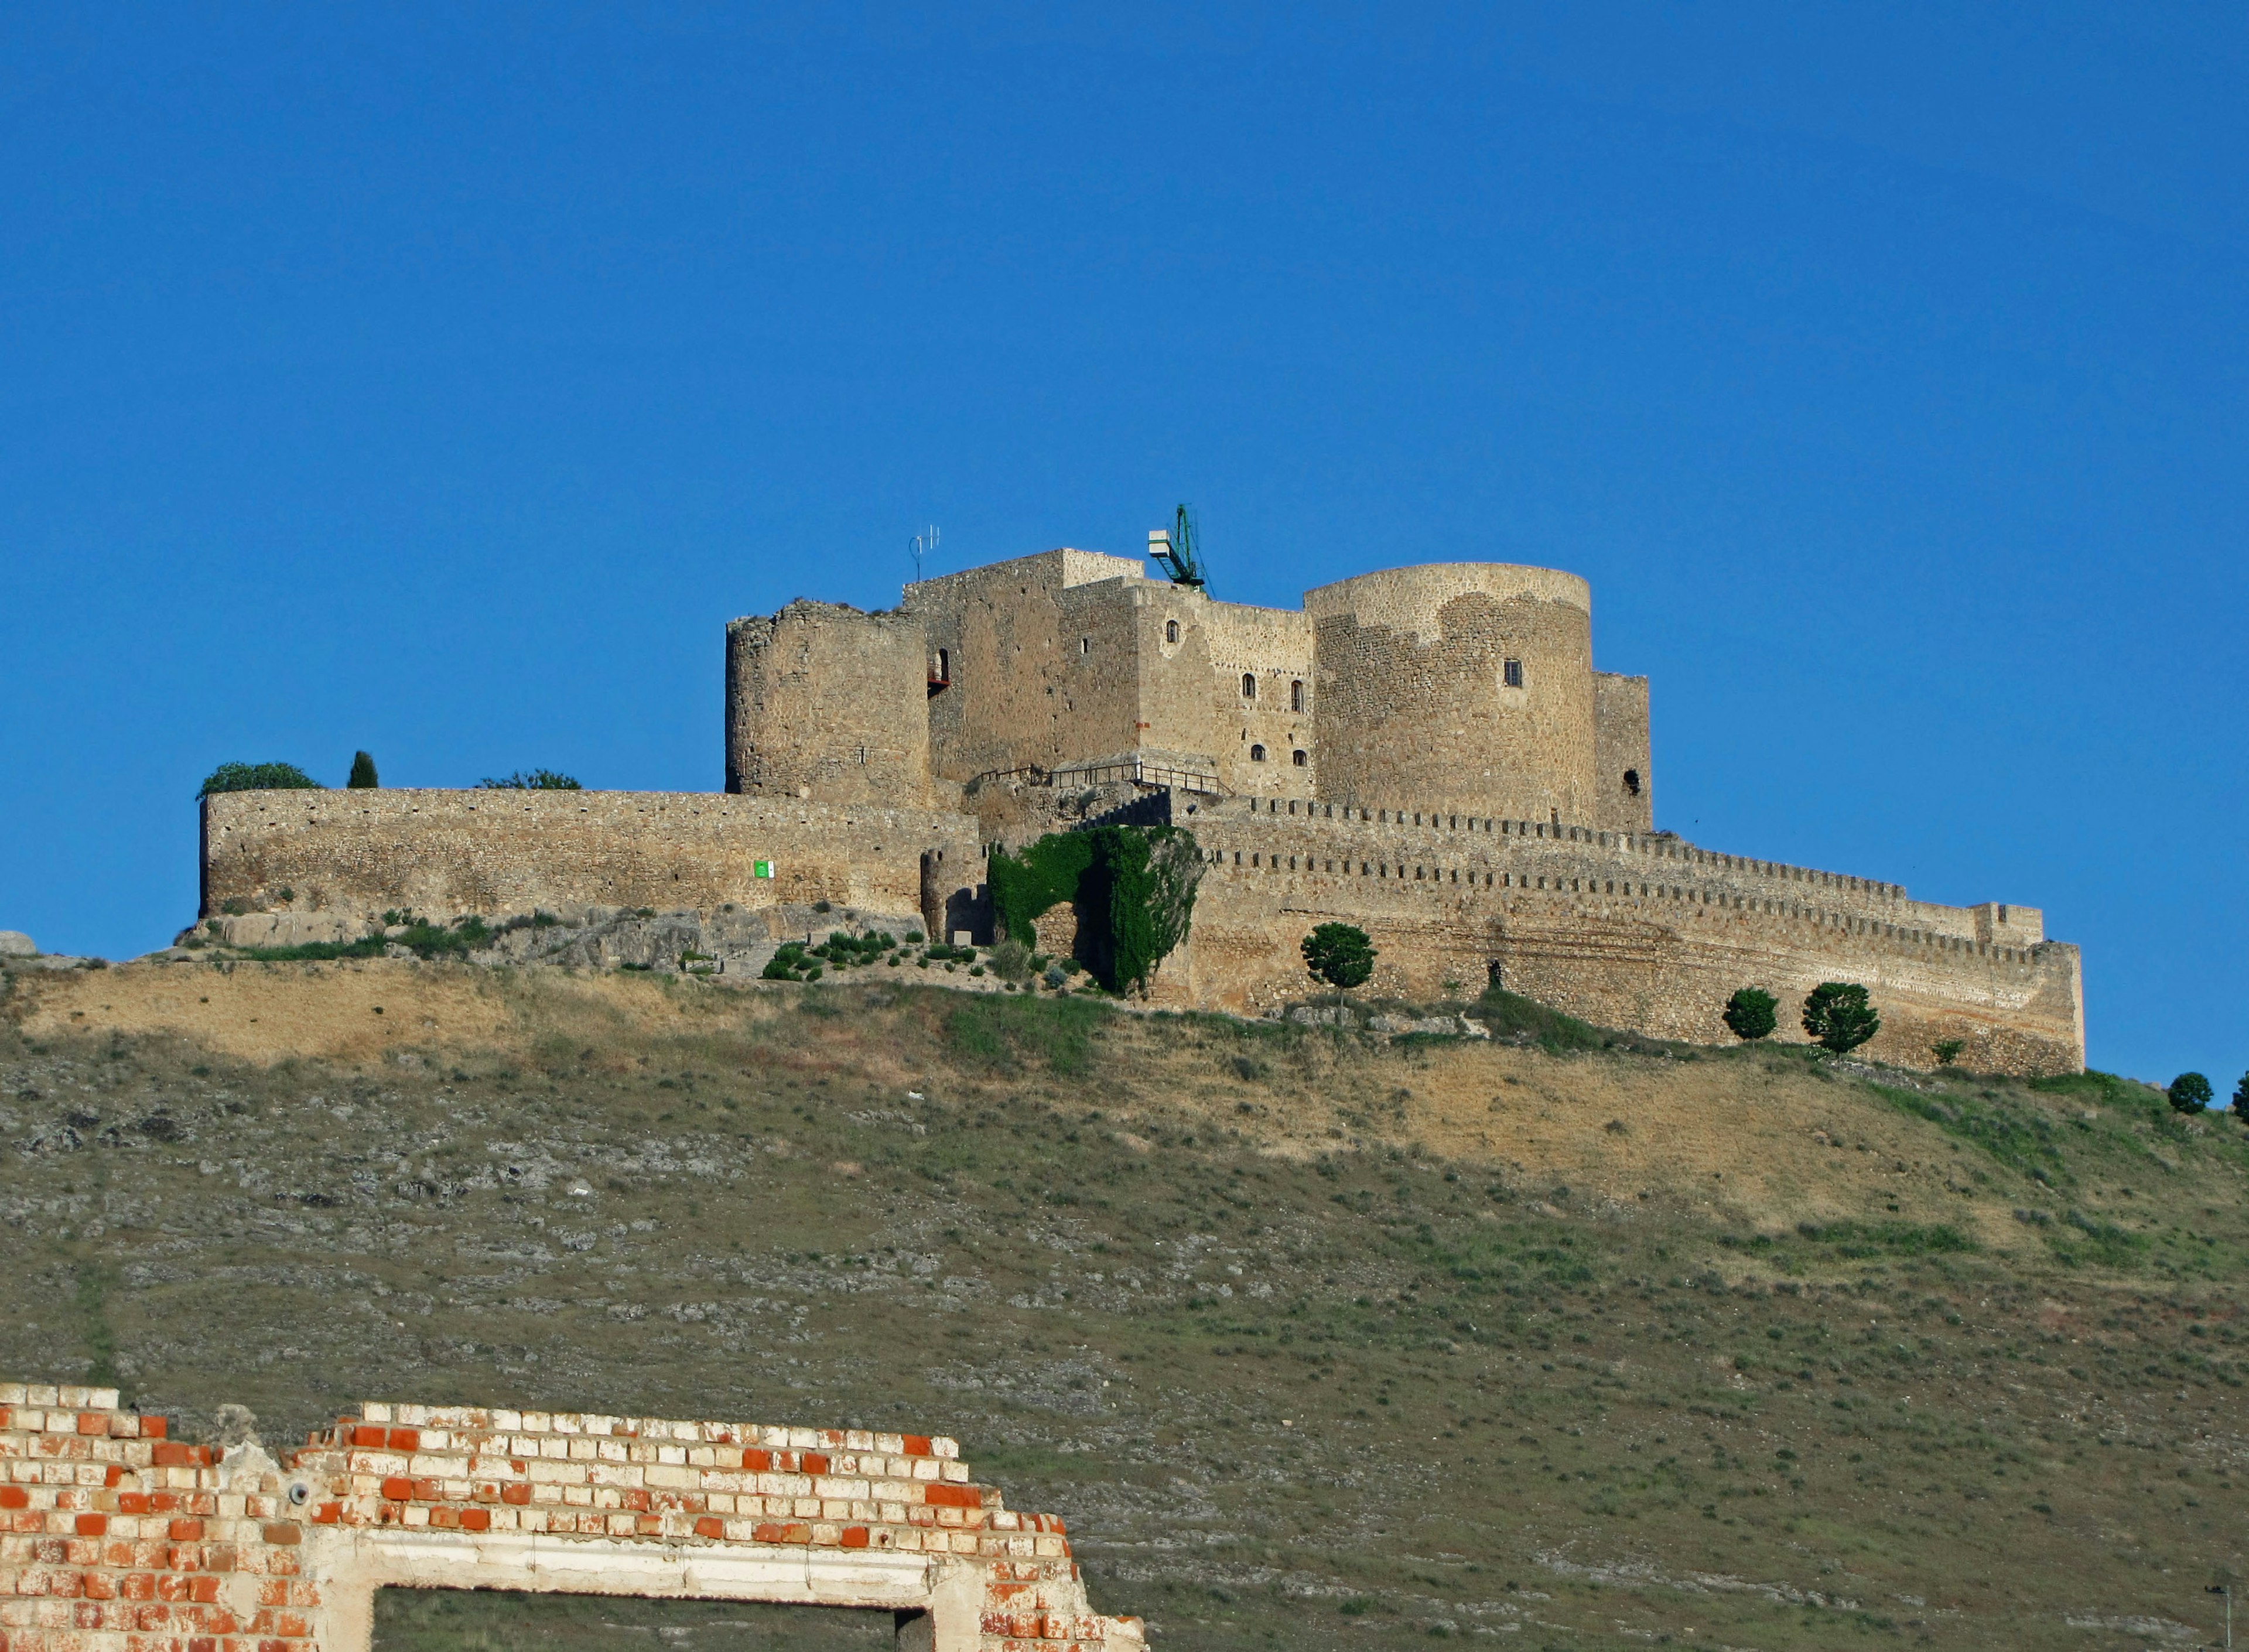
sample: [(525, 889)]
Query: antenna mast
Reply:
[(1176, 550), (919, 544)]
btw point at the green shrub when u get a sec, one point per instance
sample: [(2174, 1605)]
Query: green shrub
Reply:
[(363, 774), (258, 777), (2241, 1099), (2190, 1092), (1338, 954), (1838, 1016), (1752, 1013), (1511, 1015), (529, 780), (1947, 1050), (1012, 960)]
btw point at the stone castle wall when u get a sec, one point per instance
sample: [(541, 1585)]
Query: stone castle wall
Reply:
[(1414, 696), (115, 1537), (506, 853), (823, 701), (1637, 932), (1624, 787)]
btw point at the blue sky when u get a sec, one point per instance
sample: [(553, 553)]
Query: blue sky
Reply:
[(439, 384)]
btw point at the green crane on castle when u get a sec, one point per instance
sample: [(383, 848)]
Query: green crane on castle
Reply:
[(1176, 550)]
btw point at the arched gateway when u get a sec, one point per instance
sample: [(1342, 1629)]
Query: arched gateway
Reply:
[(115, 1538)]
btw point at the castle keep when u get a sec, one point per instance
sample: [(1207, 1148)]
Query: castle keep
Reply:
[(1428, 752)]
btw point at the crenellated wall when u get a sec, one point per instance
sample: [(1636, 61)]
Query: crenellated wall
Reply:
[(115, 1537), (1640, 932)]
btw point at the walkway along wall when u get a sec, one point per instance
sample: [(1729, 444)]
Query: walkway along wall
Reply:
[(503, 853), (115, 1538), (1641, 932)]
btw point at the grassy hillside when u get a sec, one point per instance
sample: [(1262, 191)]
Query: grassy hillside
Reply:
[(1316, 1342)]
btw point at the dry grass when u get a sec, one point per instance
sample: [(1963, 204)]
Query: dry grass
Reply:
[(1315, 1342)]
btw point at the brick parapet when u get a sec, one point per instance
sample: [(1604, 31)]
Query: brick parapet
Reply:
[(115, 1537)]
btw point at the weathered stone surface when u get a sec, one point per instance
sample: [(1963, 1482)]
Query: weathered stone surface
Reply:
[(16, 944), (119, 1539)]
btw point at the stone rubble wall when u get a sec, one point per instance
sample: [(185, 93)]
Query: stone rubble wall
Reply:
[(1642, 932), (115, 1537), (501, 854)]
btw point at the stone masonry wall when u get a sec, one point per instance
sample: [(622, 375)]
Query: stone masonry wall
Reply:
[(1639, 931), (1414, 696), (827, 704), (113, 1538), (1621, 755), (1039, 662), (503, 853)]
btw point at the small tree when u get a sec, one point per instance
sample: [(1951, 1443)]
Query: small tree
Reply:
[(1753, 1014), (1340, 954), (362, 775), (529, 780), (2190, 1092), (258, 777), (1838, 1016), (1947, 1050)]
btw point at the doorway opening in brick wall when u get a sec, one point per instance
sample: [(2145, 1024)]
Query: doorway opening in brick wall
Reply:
[(511, 1620)]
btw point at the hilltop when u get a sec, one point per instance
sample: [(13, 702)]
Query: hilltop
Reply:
[(1315, 1339)]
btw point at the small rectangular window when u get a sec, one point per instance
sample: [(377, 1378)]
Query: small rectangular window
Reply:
[(1511, 673)]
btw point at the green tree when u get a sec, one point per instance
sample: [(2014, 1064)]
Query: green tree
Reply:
[(2190, 1092), (2241, 1099), (1341, 955), (529, 780), (362, 775), (1752, 1013), (1838, 1016), (1947, 1050), (258, 777)]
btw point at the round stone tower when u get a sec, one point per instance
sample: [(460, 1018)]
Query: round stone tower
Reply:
[(1463, 686)]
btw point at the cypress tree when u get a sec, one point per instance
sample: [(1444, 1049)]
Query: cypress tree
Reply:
[(362, 775)]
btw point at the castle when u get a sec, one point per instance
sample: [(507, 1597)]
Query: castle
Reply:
[(1426, 752)]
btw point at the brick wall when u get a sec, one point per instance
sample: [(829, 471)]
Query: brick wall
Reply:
[(115, 1538), (445, 853)]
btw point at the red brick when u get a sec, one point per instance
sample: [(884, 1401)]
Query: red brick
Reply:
[(518, 1493), (711, 1526), (405, 1439), (93, 1525), (855, 1537), (947, 1496), (329, 1514), (131, 1503), (476, 1519), (815, 1463), (185, 1531), (398, 1488), (203, 1591), (368, 1439), (282, 1532), (14, 1496), (155, 1427), (172, 1454), (203, 1643), (93, 1422), (917, 1445), (444, 1517), (756, 1462)]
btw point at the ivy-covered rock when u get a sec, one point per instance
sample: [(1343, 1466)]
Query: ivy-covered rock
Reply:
[(1134, 886)]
